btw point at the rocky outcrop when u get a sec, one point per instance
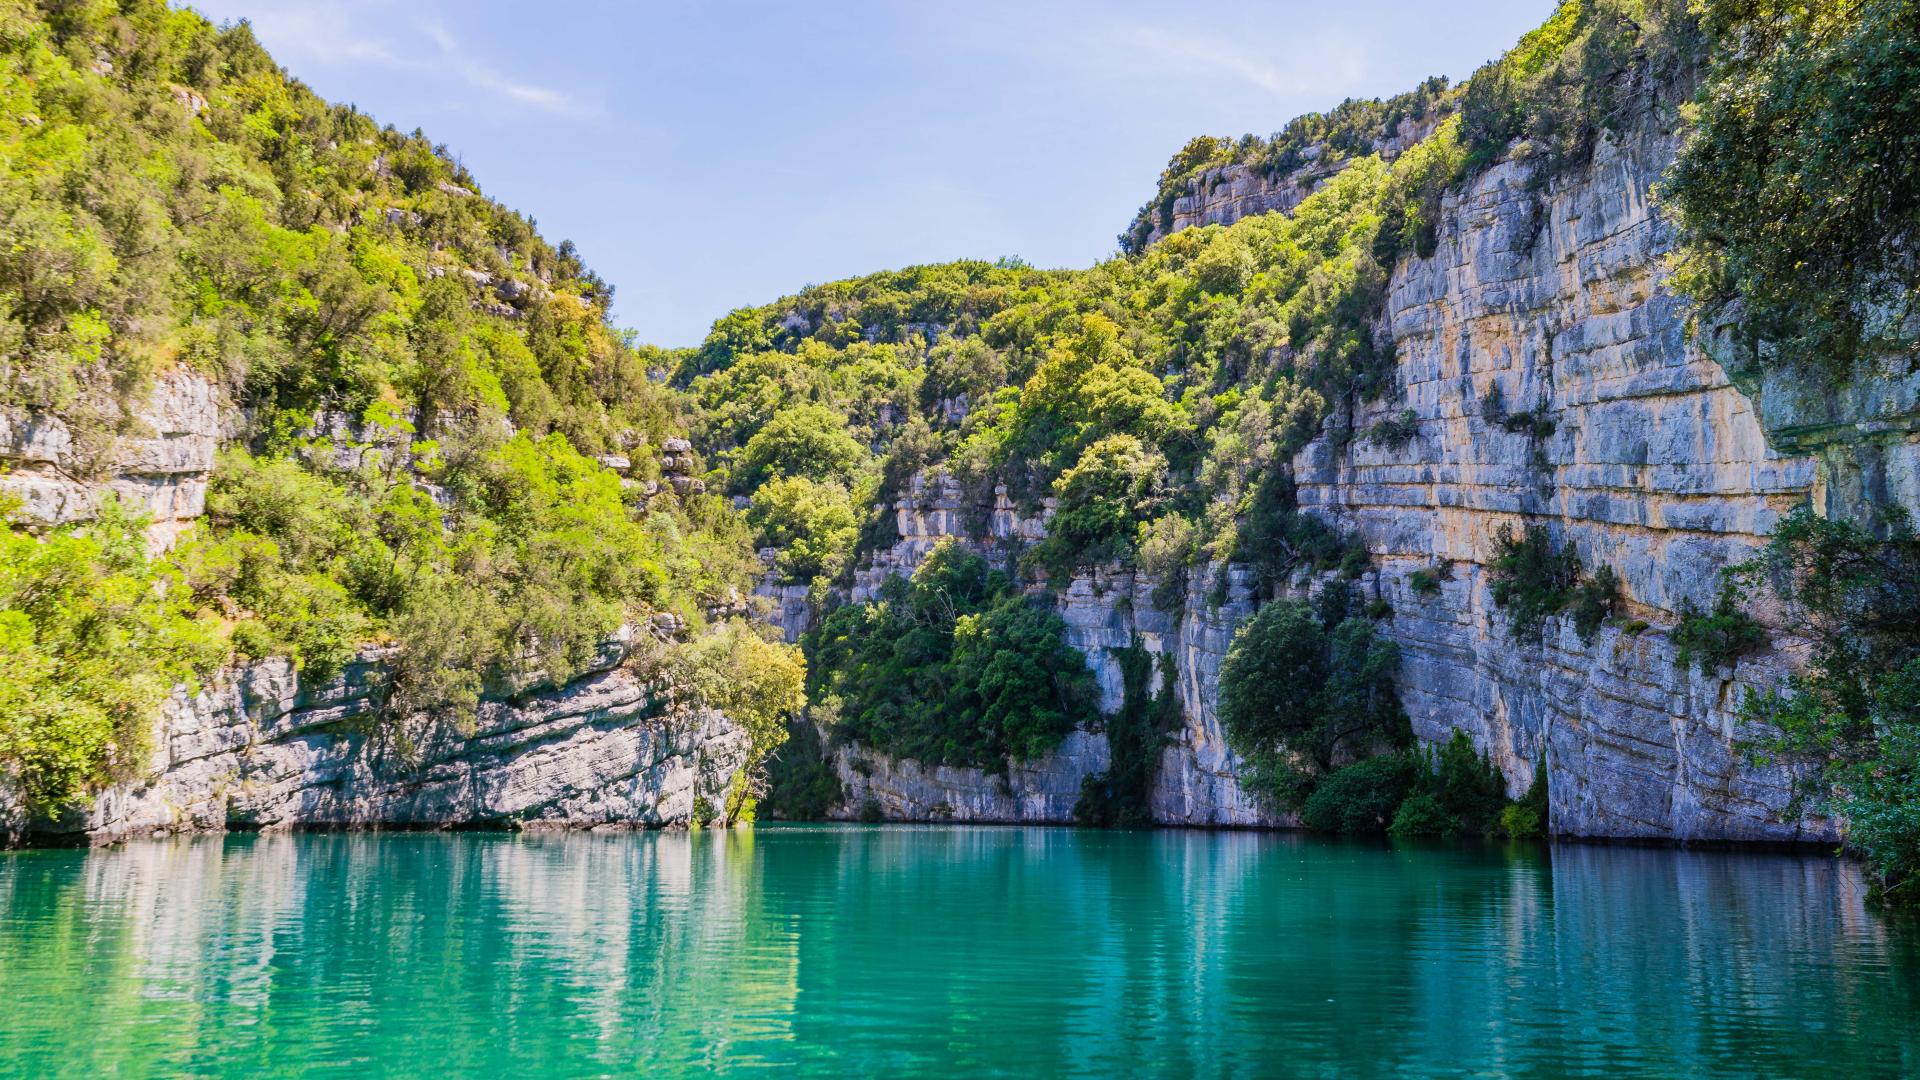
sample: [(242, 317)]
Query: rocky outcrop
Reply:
[(257, 749), (1224, 195), (1227, 193), (1636, 451), (1550, 380), (901, 789), (156, 464), (1105, 611)]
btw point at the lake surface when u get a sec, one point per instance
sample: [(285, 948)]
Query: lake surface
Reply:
[(941, 951)]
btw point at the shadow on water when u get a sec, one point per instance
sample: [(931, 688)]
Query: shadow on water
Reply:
[(833, 949)]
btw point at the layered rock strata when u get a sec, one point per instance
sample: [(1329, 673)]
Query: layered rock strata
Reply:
[(257, 749), (1551, 381), (156, 463)]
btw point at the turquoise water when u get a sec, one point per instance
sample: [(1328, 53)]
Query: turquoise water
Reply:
[(941, 951)]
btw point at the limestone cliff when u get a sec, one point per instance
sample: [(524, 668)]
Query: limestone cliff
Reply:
[(260, 749), (1105, 611), (1641, 454), (158, 464), (1554, 302)]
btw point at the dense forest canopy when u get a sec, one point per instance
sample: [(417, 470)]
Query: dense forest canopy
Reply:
[(424, 383)]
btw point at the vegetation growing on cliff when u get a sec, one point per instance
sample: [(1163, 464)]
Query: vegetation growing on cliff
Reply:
[(1795, 191), (1309, 701), (1533, 580), (1355, 128), (1590, 68), (1304, 691), (425, 381), (1150, 398), (956, 666), (1854, 712), (1120, 795), (1718, 637), (742, 670), (1157, 399), (91, 641)]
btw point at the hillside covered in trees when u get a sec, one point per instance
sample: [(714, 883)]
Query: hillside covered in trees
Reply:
[(428, 393)]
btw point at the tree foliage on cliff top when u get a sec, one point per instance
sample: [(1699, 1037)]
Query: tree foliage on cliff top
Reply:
[(1795, 191), (422, 376), (1173, 384), (1591, 67)]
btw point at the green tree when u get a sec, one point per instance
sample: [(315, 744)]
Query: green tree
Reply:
[(93, 636), (1793, 190), (810, 522), (1297, 699), (805, 440)]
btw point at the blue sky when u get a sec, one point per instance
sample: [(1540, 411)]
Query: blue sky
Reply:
[(706, 154)]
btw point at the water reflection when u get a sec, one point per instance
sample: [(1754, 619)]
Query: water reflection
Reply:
[(836, 950)]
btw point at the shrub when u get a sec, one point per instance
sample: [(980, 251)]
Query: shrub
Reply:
[(1426, 582), (1113, 489), (1361, 798), (1167, 548), (1295, 696), (1593, 603), (1395, 432), (800, 440), (1533, 581), (1530, 579), (1853, 715), (1520, 822), (1420, 814), (1466, 784), (1716, 639)]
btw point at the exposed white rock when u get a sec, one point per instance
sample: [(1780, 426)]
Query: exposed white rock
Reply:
[(256, 749), (159, 465), (1657, 466)]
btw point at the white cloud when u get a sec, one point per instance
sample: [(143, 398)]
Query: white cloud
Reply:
[(375, 33), (1311, 65)]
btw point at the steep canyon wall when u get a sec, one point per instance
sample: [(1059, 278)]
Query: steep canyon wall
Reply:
[(1640, 453)]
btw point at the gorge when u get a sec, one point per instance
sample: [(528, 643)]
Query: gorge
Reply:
[(400, 531), (1441, 597)]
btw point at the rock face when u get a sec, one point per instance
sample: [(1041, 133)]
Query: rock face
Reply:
[(159, 465), (256, 749), (1651, 462), (1105, 611), (1224, 195), (906, 790), (1637, 451)]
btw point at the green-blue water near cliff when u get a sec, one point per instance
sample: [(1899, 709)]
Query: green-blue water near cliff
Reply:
[(941, 951)]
